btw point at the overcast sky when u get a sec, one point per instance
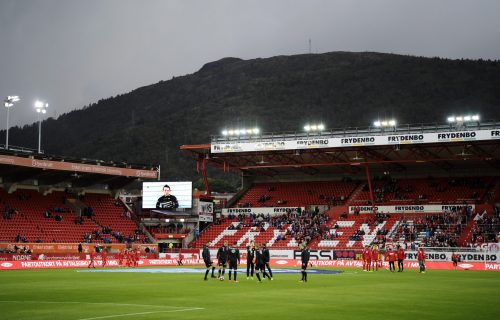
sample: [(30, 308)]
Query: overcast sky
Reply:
[(71, 53)]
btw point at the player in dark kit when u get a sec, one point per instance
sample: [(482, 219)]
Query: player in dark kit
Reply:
[(267, 258), (222, 258), (234, 259), (250, 257), (167, 201), (304, 259), (208, 262), (258, 260)]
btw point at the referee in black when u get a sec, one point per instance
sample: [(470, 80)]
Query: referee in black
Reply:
[(222, 259), (250, 257), (208, 262), (234, 259), (304, 258), (267, 258)]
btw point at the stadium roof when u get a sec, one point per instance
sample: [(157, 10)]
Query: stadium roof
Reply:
[(454, 155), (22, 165)]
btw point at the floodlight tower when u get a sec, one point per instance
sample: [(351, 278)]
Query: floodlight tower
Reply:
[(9, 103), (41, 108)]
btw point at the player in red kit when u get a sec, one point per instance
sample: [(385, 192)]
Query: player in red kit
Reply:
[(454, 259), (391, 256), (120, 257), (137, 257), (179, 260), (104, 257), (130, 258), (92, 257), (421, 259), (401, 258), (366, 258), (375, 258)]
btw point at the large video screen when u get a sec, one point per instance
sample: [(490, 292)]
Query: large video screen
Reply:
[(167, 195)]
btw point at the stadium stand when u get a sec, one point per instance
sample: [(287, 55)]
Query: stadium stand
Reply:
[(296, 194), (30, 216), (429, 190), (340, 230)]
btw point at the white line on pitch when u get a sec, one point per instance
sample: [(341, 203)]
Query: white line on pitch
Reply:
[(139, 313)]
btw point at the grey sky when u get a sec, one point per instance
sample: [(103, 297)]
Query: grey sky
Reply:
[(71, 52)]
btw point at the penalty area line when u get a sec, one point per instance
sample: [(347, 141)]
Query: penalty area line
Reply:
[(140, 313)]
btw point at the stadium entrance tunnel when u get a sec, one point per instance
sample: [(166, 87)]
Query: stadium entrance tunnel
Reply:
[(201, 270)]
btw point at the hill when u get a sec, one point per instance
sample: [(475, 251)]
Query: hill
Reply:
[(277, 94)]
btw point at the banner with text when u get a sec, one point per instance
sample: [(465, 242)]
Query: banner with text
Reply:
[(353, 141), (264, 210), (424, 208)]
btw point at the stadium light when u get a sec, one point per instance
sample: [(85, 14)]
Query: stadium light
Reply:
[(41, 108), (8, 103), (314, 127), (463, 118), (240, 132), (384, 123)]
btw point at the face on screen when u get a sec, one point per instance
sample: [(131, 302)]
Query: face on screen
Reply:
[(166, 191)]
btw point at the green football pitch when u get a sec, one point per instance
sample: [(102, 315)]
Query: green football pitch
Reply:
[(72, 294)]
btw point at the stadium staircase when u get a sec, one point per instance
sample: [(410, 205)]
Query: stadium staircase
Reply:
[(466, 235)]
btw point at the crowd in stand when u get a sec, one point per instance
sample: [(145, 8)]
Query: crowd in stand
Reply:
[(486, 228), (301, 225), (439, 230), (105, 234), (9, 212)]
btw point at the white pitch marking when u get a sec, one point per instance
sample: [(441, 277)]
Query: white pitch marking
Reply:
[(139, 313)]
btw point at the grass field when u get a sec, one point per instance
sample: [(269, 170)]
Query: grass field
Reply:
[(71, 295)]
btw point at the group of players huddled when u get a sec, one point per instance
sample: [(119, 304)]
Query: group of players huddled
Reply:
[(372, 259), (257, 261), (126, 258)]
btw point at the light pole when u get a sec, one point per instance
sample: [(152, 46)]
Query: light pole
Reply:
[(8, 103), (41, 108)]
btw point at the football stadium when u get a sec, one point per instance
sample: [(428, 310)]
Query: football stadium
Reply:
[(320, 223), (307, 159)]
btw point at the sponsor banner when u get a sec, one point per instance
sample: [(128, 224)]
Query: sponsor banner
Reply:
[(59, 264), (59, 256), (264, 210), (71, 247), (206, 218), (76, 167), (463, 256), (378, 140), (170, 235), (424, 208)]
